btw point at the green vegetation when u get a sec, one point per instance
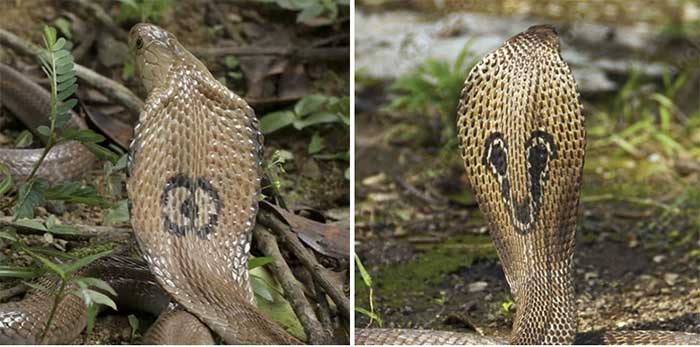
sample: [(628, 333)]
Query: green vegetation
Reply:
[(313, 112), (367, 281), (312, 11), (57, 64), (417, 277), (433, 89), (143, 10)]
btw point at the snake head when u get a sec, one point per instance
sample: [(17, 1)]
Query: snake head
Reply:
[(155, 52)]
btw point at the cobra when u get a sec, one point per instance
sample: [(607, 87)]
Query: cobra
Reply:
[(522, 139), (194, 180)]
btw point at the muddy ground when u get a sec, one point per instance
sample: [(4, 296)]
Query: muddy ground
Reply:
[(269, 83)]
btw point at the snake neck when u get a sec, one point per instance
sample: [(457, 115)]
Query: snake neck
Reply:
[(546, 311)]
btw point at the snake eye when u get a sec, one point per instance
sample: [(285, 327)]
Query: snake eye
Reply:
[(139, 43)]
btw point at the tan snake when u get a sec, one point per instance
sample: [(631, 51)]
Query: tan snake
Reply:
[(193, 189), (31, 104), (522, 139)]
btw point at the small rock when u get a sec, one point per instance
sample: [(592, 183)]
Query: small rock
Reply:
[(670, 278), (590, 275), (477, 286), (374, 180), (126, 334), (659, 258)]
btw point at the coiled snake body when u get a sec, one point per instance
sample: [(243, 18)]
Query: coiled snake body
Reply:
[(193, 187), (522, 139)]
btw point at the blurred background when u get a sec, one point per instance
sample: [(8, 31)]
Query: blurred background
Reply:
[(428, 260)]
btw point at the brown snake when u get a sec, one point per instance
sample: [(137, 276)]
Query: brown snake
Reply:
[(194, 180), (522, 139), (32, 104)]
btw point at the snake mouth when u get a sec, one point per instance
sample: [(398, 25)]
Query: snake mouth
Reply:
[(540, 150)]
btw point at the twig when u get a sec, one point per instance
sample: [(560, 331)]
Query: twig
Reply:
[(114, 90), (292, 288), (85, 231), (330, 53), (98, 13), (11, 292), (629, 199), (323, 310), (425, 197), (320, 273)]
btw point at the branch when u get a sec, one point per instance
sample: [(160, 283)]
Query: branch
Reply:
[(330, 53), (292, 288), (114, 90), (11, 292), (319, 273), (98, 13), (84, 231)]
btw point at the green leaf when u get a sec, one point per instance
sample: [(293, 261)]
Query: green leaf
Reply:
[(310, 13), (316, 118), (67, 105), (96, 283), (231, 61), (101, 299), (35, 224), (118, 214), (64, 26), (25, 272), (24, 139), (60, 70), (62, 229), (6, 182), (31, 195), (274, 121), (49, 36), (67, 93), (370, 315), (59, 43), (8, 235), (127, 70), (66, 76), (63, 61), (51, 266), (82, 135), (134, 324), (121, 163), (85, 261), (65, 84), (259, 261), (310, 104), (74, 192), (92, 312), (316, 144), (36, 286), (366, 278), (60, 54), (44, 130), (260, 288), (102, 152)]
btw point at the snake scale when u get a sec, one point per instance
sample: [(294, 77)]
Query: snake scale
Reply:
[(31, 104), (194, 180), (522, 139)]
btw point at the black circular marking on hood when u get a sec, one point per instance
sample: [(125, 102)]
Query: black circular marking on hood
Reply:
[(185, 218)]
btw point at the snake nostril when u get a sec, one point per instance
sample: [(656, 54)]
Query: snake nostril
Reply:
[(139, 43)]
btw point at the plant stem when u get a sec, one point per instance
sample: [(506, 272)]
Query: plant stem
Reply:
[(56, 302)]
